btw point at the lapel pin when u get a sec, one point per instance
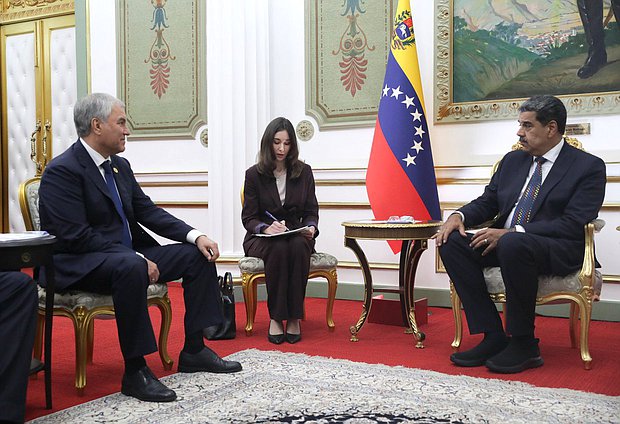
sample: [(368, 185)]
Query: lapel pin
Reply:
[(115, 170)]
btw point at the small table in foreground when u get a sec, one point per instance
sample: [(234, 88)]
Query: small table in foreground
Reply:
[(414, 238), (33, 253)]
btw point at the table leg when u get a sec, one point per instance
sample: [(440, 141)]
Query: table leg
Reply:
[(404, 302), (411, 264), (361, 257)]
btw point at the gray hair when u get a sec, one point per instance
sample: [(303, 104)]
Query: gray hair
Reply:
[(95, 105)]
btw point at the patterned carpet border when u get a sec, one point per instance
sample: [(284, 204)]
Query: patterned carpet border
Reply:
[(278, 387)]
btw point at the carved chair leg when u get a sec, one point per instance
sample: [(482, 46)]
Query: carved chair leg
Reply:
[(249, 299), (458, 322), (163, 304), (332, 286), (81, 321), (585, 314)]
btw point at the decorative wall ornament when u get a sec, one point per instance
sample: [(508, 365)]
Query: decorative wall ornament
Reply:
[(159, 54), (304, 130), (23, 10), (489, 57), (204, 137), (25, 3), (347, 43), (162, 67)]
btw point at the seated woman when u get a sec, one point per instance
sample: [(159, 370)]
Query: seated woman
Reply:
[(279, 197)]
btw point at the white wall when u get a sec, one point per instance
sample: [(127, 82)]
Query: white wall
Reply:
[(265, 69)]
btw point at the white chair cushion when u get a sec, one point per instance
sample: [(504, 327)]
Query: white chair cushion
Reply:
[(546, 283), (252, 265), (74, 298)]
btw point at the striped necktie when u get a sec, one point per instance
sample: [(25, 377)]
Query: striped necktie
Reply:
[(109, 180), (526, 202)]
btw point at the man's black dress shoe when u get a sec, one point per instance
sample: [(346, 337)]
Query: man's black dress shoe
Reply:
[(293, 338), (145, 386), (478, 355), (206, 360), (276, 338), (518, 356)]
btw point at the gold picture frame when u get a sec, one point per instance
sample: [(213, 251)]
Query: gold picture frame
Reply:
[(597, 95)]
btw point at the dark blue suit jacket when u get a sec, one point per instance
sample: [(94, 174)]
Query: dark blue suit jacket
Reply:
[(76, 207), (570, 197)]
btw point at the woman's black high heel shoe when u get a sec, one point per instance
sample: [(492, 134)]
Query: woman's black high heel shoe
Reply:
[(293, 338), (276, 338)]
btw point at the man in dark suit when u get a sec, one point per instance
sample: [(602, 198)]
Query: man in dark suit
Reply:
[(591, 13), (540, 198), (18, 317), (90, 200)]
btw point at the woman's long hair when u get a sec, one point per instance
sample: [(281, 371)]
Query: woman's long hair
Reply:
[(266, 162)]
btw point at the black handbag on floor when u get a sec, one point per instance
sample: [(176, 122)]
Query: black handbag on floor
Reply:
[(227, 329)]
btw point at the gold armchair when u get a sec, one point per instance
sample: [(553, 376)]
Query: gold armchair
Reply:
[(579, 289), (83, 307)]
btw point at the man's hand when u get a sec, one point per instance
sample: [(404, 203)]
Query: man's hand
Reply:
[(152, 270), (309, 232), (454, 222), (487, 239), (208, 248)]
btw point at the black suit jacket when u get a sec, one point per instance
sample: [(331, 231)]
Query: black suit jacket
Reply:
[(75, 206), (261, 194), (570, 197)]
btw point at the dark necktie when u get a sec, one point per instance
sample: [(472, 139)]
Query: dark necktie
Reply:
[(526, 202), (109, 180)]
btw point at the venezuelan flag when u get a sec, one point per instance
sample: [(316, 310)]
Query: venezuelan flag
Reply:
[(401, 177)]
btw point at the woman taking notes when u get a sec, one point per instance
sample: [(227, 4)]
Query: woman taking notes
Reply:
[(279, 199)]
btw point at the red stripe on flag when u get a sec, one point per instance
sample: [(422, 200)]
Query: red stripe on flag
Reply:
[(390, 191)]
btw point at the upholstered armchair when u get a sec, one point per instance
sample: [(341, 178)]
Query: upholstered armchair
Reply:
[(83, 307), (579, 289)]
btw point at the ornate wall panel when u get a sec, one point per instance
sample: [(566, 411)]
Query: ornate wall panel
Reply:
[(162, 66), (347, 44)]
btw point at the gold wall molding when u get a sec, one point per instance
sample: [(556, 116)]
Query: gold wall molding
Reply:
[(337, 183), (344, 205), (14, 11), (183, 205), (163, 174)]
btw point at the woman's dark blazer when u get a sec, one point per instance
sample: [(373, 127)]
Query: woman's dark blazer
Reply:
[(261, 194)]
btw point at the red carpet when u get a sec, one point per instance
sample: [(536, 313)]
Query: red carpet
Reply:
[(378, 344)]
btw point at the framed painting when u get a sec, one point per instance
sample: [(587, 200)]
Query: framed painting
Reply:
[(162, 67), (492, 54), (347, 43)]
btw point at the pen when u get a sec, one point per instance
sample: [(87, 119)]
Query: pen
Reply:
[(273, 217)]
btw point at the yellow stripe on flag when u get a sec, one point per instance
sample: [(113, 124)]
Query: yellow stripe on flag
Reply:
[(407, 58)]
